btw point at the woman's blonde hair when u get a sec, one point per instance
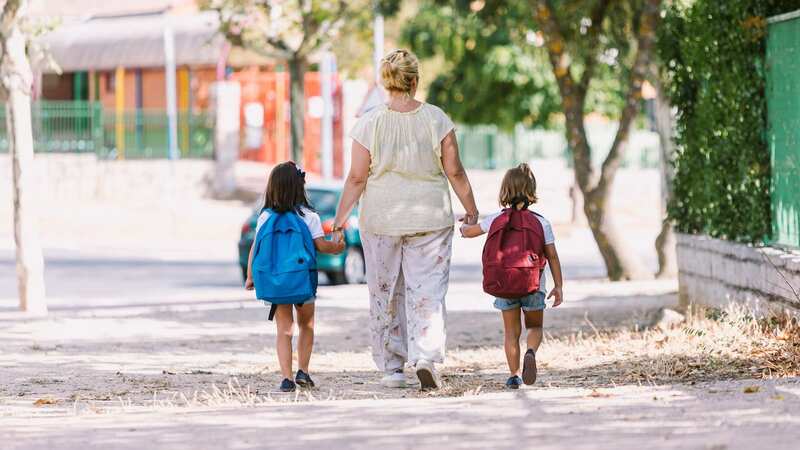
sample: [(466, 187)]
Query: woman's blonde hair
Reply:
[(518, 188), (399, 70)]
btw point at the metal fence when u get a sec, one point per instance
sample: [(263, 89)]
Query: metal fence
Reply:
[(783, 130), (487, 147), (85, 127)]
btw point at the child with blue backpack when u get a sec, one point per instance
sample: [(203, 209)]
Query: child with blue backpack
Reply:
[(519, 244), (282, 266)]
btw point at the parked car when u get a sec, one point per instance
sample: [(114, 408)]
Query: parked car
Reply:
[(347, 267)]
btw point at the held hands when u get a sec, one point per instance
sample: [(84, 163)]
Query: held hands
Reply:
[(337, 239), (557, 295), (467, 221), (469, 218)]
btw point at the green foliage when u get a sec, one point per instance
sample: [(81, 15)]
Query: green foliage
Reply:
[(495, 69), (492, 73), (713, 54)]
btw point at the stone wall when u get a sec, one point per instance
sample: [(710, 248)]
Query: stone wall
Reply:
[(715, 272), (76, 177)]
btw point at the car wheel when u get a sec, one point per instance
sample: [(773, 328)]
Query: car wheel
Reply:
[(336, 278), (355, 268)]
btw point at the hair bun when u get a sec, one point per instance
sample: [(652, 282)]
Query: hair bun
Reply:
[(399, 70)]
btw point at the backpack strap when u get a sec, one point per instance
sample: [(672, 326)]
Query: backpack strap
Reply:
[(273, 307)]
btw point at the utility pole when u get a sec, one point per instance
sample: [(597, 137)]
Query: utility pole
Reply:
[(377, 41), (172, 98), (327, 70)]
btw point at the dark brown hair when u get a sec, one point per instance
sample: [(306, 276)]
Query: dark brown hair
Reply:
[(518, 188), (286, 189)]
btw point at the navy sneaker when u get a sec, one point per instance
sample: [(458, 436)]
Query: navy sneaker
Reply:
[(303, 380), (513, 382), (529, 367), (288, 385)]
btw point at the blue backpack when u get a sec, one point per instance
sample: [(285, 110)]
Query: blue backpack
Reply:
[(284, 261)]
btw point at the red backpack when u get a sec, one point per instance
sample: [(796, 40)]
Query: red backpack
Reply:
[(513, 256)]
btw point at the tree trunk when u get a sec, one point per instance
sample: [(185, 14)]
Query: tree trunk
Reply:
[(297, 106), (16, 78), (620, 260), (665, 125)]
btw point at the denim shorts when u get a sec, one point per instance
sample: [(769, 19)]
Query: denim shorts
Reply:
[(531, 302)]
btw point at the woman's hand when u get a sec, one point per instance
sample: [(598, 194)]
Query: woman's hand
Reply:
[(248, 284)]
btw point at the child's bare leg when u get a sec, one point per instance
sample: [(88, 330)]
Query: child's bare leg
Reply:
[(513, 327), (305, 341), (534, 321), (283, 340)]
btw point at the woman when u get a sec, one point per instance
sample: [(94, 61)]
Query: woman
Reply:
[(404, 153)]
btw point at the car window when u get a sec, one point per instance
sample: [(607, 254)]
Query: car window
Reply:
[(324, 202)]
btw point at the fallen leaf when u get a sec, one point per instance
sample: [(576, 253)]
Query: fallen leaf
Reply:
[(596, 394), (751, 389), (44, 401), (777, 397)]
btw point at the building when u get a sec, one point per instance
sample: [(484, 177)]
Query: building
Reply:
[(111, 57)]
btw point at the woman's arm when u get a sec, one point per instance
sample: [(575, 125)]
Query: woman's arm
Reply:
[(555, 269), (331, 247), (353, 186), (457, 176)]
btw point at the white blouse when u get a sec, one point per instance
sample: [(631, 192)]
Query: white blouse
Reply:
[(407, 191)]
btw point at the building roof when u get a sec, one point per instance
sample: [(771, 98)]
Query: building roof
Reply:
[(94, 8), (135, 41)]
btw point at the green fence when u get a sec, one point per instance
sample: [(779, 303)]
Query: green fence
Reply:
[(783, 133), (85, 127), (487, 147)]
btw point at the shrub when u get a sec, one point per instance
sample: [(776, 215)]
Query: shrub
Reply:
[(713, 55)]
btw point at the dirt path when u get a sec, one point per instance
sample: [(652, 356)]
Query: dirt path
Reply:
[(103, 355)]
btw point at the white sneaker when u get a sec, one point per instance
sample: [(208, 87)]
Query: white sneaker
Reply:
[(394, 380), (427, 375)]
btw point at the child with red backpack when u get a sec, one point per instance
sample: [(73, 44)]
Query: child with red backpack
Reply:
[(282, 266), (519, 245)]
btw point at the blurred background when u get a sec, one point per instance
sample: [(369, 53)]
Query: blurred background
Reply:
[(155, 124)]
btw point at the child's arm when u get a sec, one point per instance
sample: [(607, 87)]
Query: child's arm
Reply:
[(248, 284), (555, 269), (331, 247), (471, 231)]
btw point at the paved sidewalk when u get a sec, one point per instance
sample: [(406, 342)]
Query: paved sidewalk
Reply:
[(714, 416)]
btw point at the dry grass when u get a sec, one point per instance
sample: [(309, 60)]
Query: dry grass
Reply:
[(709, 345)]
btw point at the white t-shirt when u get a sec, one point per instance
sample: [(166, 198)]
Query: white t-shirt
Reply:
[(549, 238), (311, 219), (486, 224)]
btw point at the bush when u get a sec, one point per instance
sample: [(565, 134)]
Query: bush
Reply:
[(713, 55)]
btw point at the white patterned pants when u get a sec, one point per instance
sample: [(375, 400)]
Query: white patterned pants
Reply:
[(407, 278)]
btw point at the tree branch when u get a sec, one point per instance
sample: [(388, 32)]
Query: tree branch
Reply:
[(556, 45), (645, 40), (313, 38), (593, 38), (572, 97)]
